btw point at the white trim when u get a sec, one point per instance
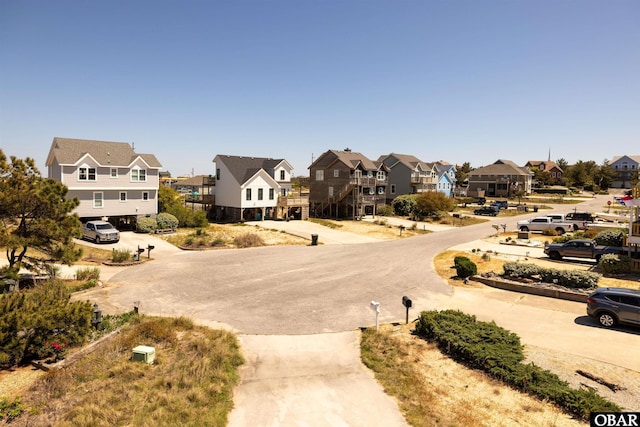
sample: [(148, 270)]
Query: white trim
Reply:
[(111, 173), (147, 196), (120, 196), (101, 200)]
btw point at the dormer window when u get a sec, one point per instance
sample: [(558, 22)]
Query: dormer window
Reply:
[(86, 174)]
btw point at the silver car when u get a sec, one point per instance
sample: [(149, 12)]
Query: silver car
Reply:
[(611, 306), (100, 231)]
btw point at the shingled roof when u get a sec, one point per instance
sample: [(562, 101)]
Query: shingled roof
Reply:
[(68, 151), (501, 167), (243, 168)]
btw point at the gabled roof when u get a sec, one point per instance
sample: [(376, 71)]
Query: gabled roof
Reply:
[(350, 158), (244, 168), (501, 167), (68, 151), (634, 158), (548, 164)]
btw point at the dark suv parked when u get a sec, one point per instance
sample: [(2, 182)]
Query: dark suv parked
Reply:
[(487, 210), (615, 305)]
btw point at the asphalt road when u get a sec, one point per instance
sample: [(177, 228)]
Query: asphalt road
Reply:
[(297, 291)]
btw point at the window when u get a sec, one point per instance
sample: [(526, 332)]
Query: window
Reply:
[(248, 194), (260, 193), (87, 174), (218, 173), (336, 173), (123, 196), (138, 175), (330, 191), (271, 194), (380, 176), (281, 175), (357, 173), (145, 196), (97, 199), (283, 192), (320, 175), (114, 173), (393, 189)]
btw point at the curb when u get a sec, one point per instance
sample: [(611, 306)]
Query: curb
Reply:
[(533, 290)]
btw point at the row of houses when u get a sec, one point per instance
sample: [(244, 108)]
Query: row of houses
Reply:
[(112, 181)]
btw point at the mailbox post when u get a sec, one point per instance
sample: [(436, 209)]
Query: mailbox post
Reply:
[(375, 306), (407, 303), (96, 319), (149, 250)]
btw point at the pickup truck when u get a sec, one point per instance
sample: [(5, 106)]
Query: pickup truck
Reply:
[(579, 249), (580, 221), (542, 223)]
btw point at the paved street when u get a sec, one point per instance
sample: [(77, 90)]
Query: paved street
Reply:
[(278, 296)]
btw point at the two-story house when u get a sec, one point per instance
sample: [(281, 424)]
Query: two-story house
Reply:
[(547, 166), (345, 184), (503, 178), (446, 178), (408, 175), (255, 188), (626, 170), (110, 179), (198, 191)]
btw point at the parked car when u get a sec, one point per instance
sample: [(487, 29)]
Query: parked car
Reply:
[(580, 248), (486, 210), (500, 204), (580, 220), (100, 231), (612, 306), (542, 223)]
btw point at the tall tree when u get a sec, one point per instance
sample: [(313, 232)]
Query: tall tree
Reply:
[(562, 164), (604, 175), (462, 172), (35, 214)]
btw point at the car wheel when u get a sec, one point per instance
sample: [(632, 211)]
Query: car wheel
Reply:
[(598, 258), (97, 239), (607, 319), (524, 229), (575, 227), (560, 231), (555, 255)]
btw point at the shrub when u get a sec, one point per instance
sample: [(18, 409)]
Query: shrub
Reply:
[(498, 352), (610, 237), (88, 273), (385, 210), (146, 225), (466, 268), (166, 221), (524, 270), (11, 409), (615, 264), (120, 255), (404, 205), (576, 279), (549, 231), (590, 234), (248, 240)]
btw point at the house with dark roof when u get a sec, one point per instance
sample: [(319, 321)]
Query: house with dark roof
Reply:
[(345, 184), (626, 170), (256, 188), (408, 175), (503, 178), (547, 166), (110, 179)]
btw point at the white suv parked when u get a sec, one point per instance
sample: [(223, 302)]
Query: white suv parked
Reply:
[(100, 231)]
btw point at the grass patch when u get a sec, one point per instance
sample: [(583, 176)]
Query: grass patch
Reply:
[(326, 223), (190, 384)]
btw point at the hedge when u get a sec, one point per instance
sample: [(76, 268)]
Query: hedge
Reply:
[(576, 279), (146, 225), (498, 352)]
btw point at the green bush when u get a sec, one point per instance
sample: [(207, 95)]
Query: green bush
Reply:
[(120, 255), (575, 279), (615, 264), (146, 225), (166, 221), (404, 205), (385, 210), (88, 273), (498, 352), (29, 320), (610, 237), (466, 268)]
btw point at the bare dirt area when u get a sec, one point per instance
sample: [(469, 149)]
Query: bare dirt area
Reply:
[(379, 229)]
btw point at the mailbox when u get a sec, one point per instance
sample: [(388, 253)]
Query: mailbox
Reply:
[(406, 302)]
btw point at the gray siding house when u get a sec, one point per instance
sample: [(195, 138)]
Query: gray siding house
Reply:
[(408, 175), (110, 179)]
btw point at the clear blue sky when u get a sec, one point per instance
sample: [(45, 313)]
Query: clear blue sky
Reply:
[(453, 80)]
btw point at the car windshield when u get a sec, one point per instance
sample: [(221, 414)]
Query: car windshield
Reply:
[(104, 227)]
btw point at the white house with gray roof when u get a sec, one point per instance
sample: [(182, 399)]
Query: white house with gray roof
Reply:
[(110, 179), (253, 188)]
